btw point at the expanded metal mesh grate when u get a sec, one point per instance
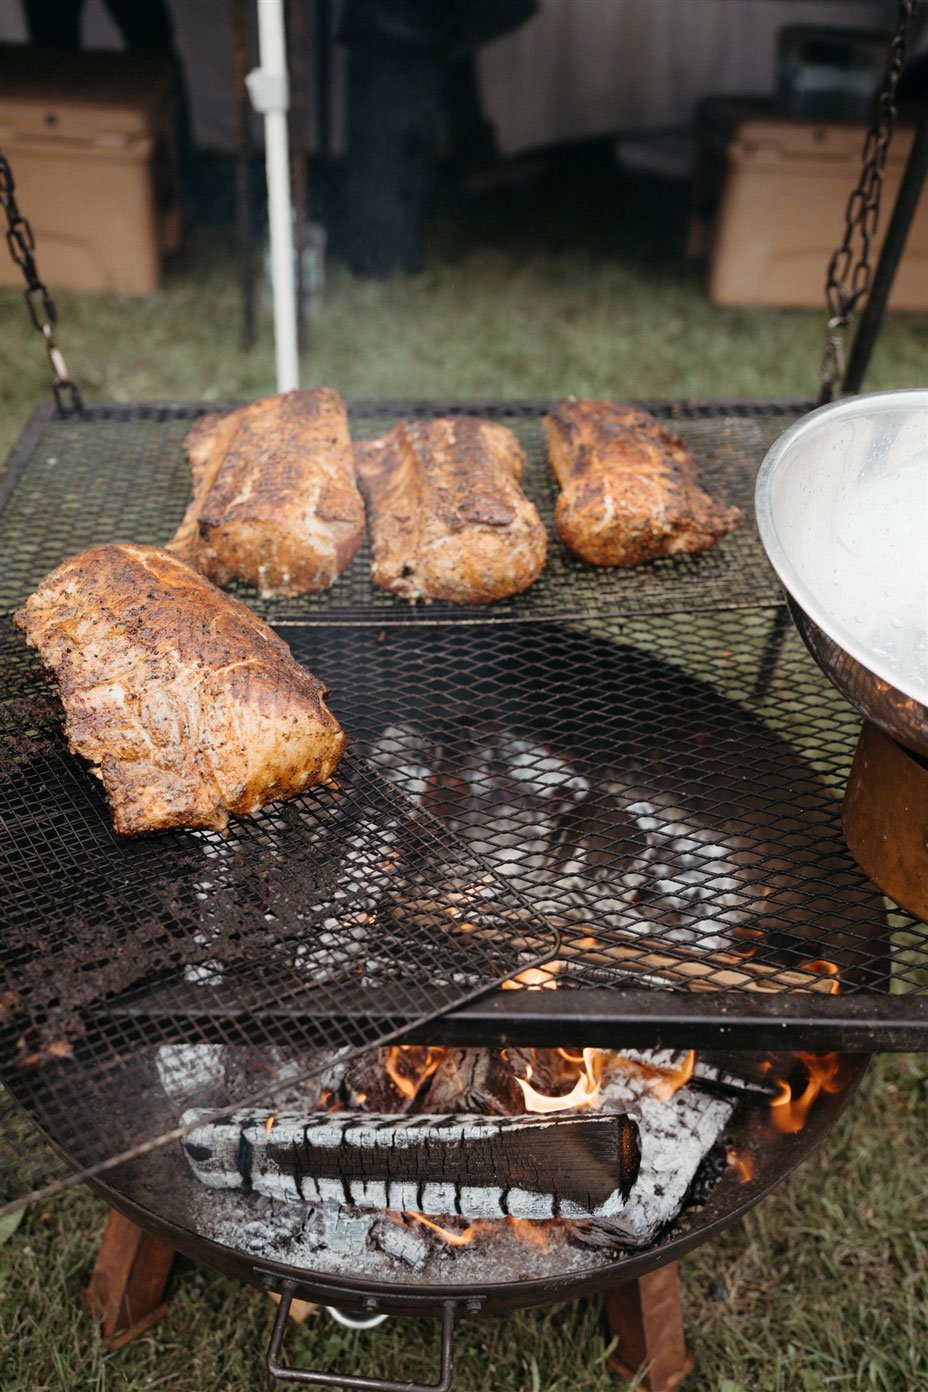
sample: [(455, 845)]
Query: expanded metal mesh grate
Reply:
[(661, 793), (120, 474), (298, 904)]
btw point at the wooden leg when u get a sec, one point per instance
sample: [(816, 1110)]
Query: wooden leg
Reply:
[(128, 1281), (648, 1318)]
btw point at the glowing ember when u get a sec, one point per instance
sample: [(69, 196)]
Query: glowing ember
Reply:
[(789, 1113), (742, 1164)]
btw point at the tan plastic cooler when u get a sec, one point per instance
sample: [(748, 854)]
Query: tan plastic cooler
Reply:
[(782, 214), (91, 142)]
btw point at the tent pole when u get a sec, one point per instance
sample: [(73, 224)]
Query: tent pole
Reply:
[(269, 91)]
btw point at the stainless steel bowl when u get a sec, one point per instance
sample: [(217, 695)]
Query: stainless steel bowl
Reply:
[(842, 509)]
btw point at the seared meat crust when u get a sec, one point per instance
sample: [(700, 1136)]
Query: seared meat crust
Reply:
[(273, 495), (629, 488), (188, 707), (448, 518)]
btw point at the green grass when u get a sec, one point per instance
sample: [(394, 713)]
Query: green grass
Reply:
[(828, 1280)]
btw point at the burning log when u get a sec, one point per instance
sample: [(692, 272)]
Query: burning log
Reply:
[(472, 1166)]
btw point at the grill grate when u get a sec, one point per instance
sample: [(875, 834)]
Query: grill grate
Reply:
[(664, 795), (119, 474), (294, 906)]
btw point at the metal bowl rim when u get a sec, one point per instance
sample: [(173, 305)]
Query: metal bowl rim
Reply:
[(776, 554)]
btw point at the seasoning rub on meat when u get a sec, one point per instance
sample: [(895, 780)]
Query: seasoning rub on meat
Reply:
[(448, 518), (274, 500), (189, 708), (629, 488)]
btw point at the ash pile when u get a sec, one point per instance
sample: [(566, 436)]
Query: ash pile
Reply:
[(452, 1163)]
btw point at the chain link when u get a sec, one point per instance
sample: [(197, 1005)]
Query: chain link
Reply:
[(41, 306), (850, 270)]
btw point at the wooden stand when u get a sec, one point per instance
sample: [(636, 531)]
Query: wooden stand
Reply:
[(648, 1318), (128, 1281)]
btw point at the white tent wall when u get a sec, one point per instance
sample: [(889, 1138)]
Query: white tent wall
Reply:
[(578, 68)]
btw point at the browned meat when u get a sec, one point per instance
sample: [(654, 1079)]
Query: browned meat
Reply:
[(188, 707), (448, 519), (274, 500), (629, 488)]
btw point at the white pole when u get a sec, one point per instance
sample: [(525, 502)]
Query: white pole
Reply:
[(269, 91)]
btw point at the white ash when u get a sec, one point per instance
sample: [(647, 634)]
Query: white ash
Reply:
[(676, 1136), (542, 824)]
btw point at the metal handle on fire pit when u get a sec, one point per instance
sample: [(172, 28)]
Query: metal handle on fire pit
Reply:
[(363, 1384)]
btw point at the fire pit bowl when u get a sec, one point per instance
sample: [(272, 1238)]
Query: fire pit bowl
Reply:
[(842, 510)]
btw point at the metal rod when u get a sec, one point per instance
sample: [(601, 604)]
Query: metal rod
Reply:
[(243, 151), (607, 1018), (268, 87), (913, 180)]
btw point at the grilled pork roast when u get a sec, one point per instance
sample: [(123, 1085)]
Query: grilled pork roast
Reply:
[(188, 707), (274, 500), (447, 516), (629, 488)]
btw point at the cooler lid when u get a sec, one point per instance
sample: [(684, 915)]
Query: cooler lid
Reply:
[(81, 96), (786, 139)]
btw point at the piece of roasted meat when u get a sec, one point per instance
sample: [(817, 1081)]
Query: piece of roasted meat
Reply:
[(189, 708), (274, 500), (630, 490), (447, 515)]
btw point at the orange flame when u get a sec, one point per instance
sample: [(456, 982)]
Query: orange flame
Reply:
[(584, 1092), (789, 1113), (531, 1232), (528, 1231), (418, 1064), (742, 1164), (674, 1079), (535, 978), (822, 968), (269, 1124), (449, 1235)]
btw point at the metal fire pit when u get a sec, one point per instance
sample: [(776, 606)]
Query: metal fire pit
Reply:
[(698, 756)]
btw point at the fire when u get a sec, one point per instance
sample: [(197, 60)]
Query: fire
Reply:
[(584, 1093), (789, 1113), (268, 1125), (530, 1232), (449, 1235), (742, 1164), (675, 1078), (535, 978), (822, 968), (409, 1065)]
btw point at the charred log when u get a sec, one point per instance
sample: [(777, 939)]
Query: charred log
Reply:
[(472, 1166)]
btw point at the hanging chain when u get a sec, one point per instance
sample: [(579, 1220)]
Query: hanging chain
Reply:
[(40, 304), (848, 279)]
